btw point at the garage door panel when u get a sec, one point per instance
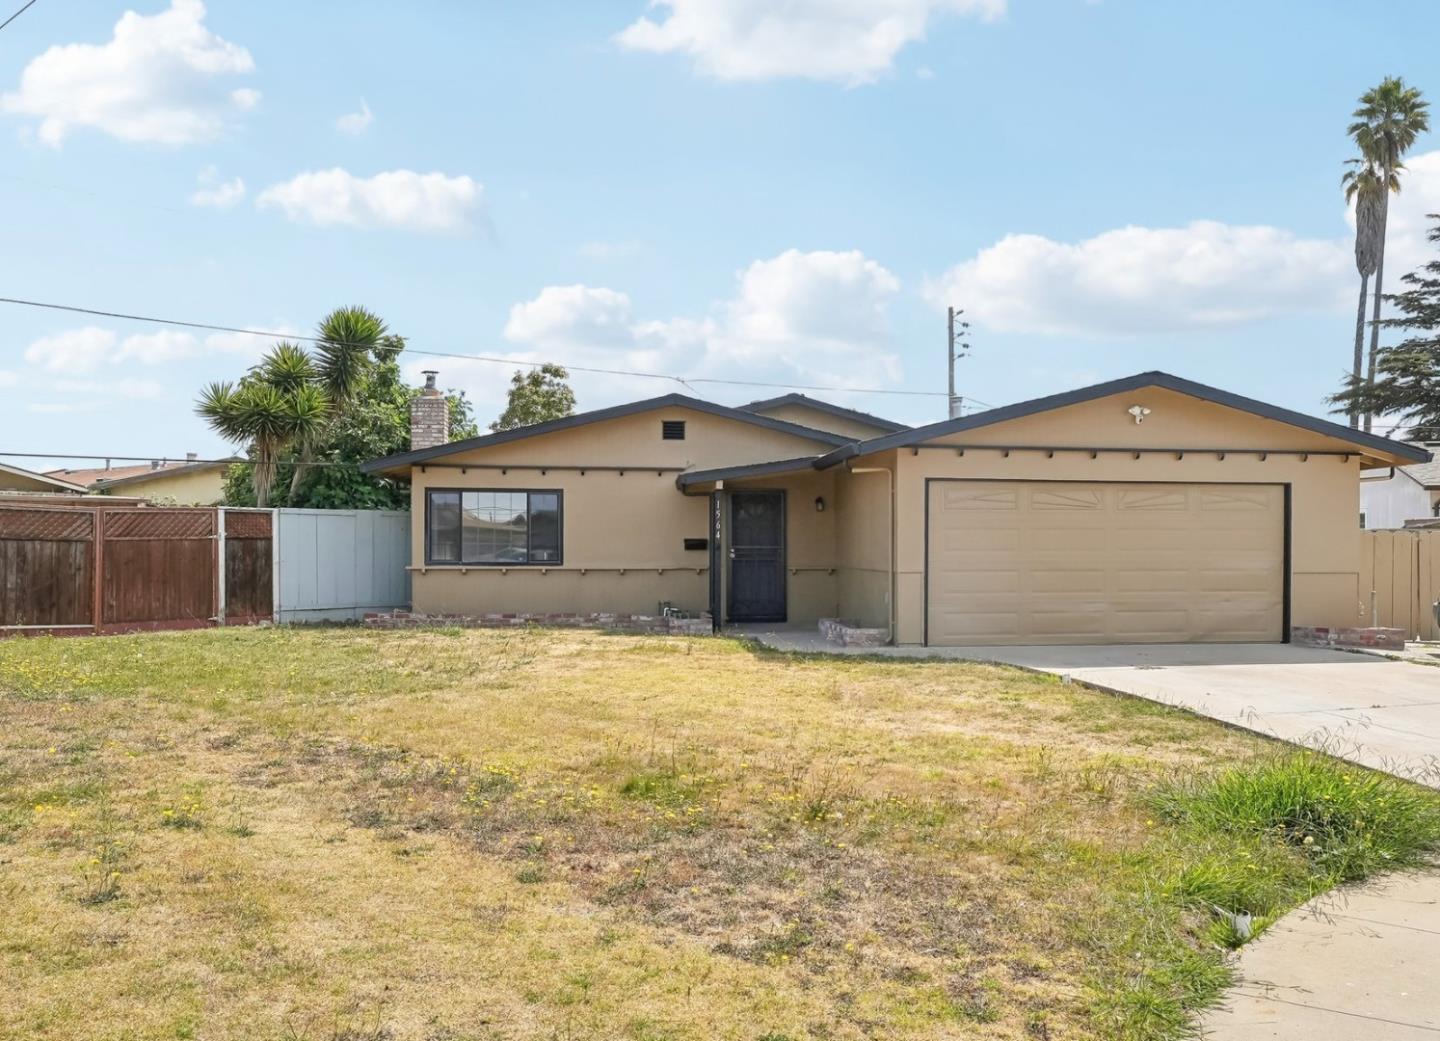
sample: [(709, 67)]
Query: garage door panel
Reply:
[(1145, 580), (1149, 626), (981, 539), (1259, 580), (1079, 562), (1090, 581)]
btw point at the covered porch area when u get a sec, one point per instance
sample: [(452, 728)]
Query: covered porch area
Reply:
[(791, 544)]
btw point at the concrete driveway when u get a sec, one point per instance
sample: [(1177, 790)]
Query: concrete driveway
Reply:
[(1368, 709)]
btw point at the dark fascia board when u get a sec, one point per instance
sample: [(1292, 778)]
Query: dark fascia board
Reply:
[(599, 415), (1163, 380), (888, 425), (734, 473), (167, 471)]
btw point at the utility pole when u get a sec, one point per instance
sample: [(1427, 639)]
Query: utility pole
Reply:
[(957, 347)]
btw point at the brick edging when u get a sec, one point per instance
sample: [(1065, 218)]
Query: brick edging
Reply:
[(619, 621)]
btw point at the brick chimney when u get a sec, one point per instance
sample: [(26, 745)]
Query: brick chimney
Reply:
[(429, 416)]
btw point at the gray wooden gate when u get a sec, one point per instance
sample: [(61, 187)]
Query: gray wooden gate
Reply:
[(334, 565)]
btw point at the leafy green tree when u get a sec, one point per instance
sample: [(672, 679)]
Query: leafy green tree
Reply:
[(1407, 385), (1385, 125), (537, 396), (274, 406), (375, 423)]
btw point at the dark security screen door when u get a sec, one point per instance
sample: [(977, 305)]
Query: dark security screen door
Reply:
[(757, 557)]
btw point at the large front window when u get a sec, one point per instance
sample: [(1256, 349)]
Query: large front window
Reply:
[(492, 527)]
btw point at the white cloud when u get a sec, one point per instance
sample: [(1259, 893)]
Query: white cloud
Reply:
[(156, 348), (212, 191), (79, 352), (401, 199), (1137, 280), (816, 318), (75, 350), (8, 378), (355, 123), (851, 42), (154, 81)]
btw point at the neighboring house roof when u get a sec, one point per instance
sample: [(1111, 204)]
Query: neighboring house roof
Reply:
[(825, 406), (48, 479), (171, 470), (89, 477), (1164, 380), (1427, 475), (600, 415)]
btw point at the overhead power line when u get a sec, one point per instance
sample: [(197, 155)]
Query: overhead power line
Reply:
[(683, 380), (17, 14), (164, 461)]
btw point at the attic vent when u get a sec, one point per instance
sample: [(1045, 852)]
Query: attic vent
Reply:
[(672, 430)]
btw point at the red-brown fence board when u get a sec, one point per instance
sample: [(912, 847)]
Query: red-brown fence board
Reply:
[(158, 580), (150, 567), (45, 583)]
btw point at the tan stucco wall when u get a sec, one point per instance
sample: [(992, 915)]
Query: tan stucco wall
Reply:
[(197, 488), (20, 483), (822, 420), (636, 522), (863, 542), (1325, 492)]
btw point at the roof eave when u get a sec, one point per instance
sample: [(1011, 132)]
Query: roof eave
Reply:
[(1164, 380), (400, 461), (734, 473)]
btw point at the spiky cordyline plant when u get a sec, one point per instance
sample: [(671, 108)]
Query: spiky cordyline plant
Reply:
[(275, 407)]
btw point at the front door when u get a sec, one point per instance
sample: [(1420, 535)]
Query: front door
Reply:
[(757, 557)]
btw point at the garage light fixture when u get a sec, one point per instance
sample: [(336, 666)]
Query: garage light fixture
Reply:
[(1139, 412)]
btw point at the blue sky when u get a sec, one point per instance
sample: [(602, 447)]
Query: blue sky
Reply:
[(688, 188)]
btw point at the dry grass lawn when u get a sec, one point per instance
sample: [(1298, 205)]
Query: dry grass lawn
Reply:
[(337, 835)]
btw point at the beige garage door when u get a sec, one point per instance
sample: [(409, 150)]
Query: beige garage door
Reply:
[(1015, 562)]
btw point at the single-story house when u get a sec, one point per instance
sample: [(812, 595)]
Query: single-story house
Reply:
[(1394, 497), (14, 479), (1145, 509), (194, 482)]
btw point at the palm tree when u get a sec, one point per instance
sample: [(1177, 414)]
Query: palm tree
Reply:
[(1362, 186), (348, 340), (276, 406), (1386, 124)]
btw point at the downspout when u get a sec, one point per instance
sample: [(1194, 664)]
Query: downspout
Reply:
[(890, 486)]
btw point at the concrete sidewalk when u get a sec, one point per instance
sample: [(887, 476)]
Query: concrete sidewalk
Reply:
[(1353, 965)]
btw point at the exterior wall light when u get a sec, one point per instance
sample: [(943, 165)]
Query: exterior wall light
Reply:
[(819, 504), (1139, 412)]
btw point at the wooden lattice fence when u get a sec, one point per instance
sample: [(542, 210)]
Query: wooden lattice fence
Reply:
[(121, 568)]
